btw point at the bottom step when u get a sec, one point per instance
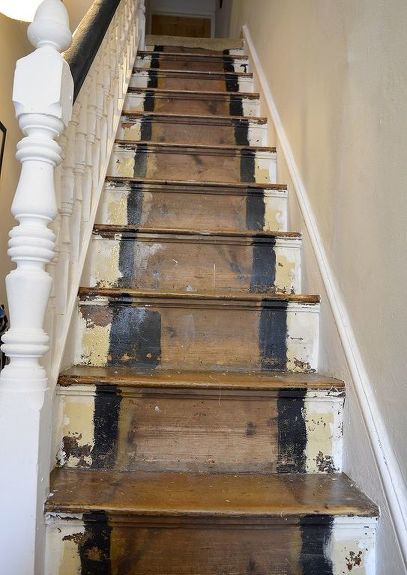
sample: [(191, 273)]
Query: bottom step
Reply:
[(100, 522)]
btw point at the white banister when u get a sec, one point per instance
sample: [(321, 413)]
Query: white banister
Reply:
[(55, 207)]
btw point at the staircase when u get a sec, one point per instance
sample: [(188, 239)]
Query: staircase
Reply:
[(195, 434)]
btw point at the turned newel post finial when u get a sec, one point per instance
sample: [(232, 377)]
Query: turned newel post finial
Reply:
[(42, 96)]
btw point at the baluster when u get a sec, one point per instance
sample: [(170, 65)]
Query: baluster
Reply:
[(42, 96), (141, 15), (79, 168)]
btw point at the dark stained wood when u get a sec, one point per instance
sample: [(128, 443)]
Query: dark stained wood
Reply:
[(199, 186), (110, 230), (192, 495), (199, 380), (194, 62), (195, 81), (191, 56), (218, 149), (196, 118)]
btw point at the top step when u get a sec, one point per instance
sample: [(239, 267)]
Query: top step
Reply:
[(194, 45)]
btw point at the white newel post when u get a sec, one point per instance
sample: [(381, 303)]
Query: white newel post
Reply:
[(43, 92)]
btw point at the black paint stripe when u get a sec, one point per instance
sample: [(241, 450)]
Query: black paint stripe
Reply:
[(232, 83), (155, 61), (292, 433), (146, 129), (152, 79), (316, 531), (263, 274), (126, 263), (94, 547), (255, 211), (135, 337), (149, 101), (236, 106), (241, 128), (273, 338), (228, 65), (134, 205), (140, 161), (247, 166), (106, 426), (158, 48)]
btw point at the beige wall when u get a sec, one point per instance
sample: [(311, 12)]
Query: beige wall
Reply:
[(13, 45), (338, 74), (77, 9)]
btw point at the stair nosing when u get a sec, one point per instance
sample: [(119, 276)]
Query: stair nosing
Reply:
[(252, 186), (192, 73), (217, 148), (209, 118), (198, 93), (142, 53)]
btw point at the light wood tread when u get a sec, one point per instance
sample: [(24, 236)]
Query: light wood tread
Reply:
[(212, 380), (195, 93), (212, 495), (219, 187), (110, 230), (184, 118), (192, 55), (244, 298), (193, 73), (194, 148)]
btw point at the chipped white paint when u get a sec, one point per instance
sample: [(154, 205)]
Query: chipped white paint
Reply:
[(91, 342), (62, 557), (102, 262), (302, 337), (352, 546), (323, 417), (265, 167), (275, 210)]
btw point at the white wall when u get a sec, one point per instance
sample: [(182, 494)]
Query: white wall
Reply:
[(337, 72)]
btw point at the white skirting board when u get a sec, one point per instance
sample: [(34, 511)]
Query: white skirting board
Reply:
[(391, 479)]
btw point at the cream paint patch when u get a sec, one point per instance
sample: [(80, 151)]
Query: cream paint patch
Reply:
[(92, 345), (257, 134), (62, 535), (130, 132), (302, 337), (115, 207), (78, 404), (265, 168), (245, 84), (352, 546), (251, 107), (275, 210), (134, 103), (143, 62), (104, 262), (323, 416), (139, 80), (288, 265)]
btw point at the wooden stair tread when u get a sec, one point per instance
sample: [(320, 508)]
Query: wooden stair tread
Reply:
[(190, 148), (180, 379), (242, 496), (107, 230), (193, 55), (193, 73), (218, 186), (195, 117), (218, 296), (195, 93)]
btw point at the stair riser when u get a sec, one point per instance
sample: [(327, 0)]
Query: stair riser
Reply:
[(176, 207), (201, 334), (99, 543), (195, 64), (197, 165), (208, 105), (198, 51), (194, 82), (188, 264), (188, 131), (291, 431)]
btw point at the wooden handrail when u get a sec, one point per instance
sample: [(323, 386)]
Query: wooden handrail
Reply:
[(88, 38)]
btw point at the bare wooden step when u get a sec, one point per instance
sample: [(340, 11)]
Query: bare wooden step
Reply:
[(192, 61), (205, 206), (181, 101), (203, 331), (202, 422), (193, 129), (186, 80), (178, 524), (200, 163), (191, 260), (185, 49)]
